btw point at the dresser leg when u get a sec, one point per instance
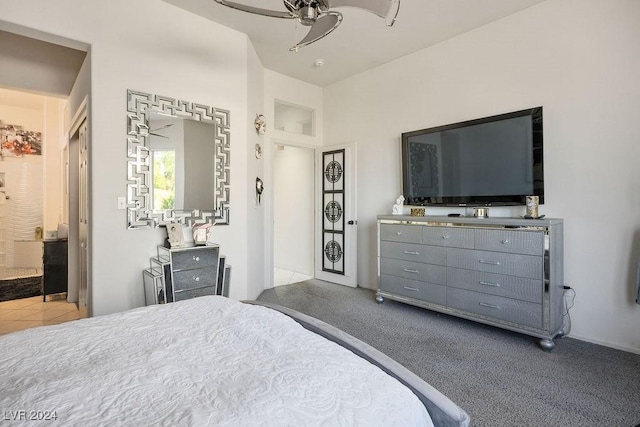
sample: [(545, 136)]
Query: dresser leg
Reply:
[(547, 344), (379, 299)]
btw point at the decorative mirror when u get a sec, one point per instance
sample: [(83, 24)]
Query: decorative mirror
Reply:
[(178, 162)]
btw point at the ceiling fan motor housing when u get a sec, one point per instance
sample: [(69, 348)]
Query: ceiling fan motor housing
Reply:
[(308, 15)]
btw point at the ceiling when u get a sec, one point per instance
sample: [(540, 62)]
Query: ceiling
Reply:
[(361, 42)]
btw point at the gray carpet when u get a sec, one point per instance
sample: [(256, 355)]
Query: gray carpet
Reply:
[(499, 377)]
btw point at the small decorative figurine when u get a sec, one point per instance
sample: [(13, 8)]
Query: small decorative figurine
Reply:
[(261, 124), (397, 208), (176, 237)]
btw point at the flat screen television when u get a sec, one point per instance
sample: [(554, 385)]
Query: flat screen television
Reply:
[(493, 161)]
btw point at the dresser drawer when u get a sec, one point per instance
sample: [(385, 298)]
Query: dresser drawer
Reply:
[(496, 262), (495, 307), (194, 258), (414, 252), (414, 270), (448, 236), (496, 284), (193, 293), (197, 278), (517, 242), (401, 233), (414, 289)]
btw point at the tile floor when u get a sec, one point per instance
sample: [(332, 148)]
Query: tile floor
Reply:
[(286, 277), (20, 314)]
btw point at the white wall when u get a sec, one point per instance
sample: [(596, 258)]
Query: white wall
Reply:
[(580, 59), (150, 46), (257, 277)]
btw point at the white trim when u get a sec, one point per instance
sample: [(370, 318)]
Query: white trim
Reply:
[(604, 343), (79, 116)]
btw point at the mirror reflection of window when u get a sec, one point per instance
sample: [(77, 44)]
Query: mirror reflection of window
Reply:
[(163, 168)]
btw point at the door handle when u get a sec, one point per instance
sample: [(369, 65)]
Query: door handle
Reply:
[(352, 222)]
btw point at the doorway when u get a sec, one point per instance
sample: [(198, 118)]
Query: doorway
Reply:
[(23, 164), (293, 206)]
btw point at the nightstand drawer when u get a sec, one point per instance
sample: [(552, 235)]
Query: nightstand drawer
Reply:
[(414, 289), (448, 236), (517, 242), (499, 308), (194, 258), (193, 293), (191, 279), (521, 288), (496, 262), (414, 252), (401, 233), (414, 270)]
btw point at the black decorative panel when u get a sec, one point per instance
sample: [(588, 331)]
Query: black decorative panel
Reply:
[(333, 215)]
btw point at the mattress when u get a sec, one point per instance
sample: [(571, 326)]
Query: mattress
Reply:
[(204, 361)]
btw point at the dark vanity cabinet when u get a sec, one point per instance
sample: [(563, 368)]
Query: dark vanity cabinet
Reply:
[(55, 267)]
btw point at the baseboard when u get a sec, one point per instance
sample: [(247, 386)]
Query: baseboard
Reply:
[(605, 344)]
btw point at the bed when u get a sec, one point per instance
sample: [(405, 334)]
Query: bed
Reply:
[(210, 361)]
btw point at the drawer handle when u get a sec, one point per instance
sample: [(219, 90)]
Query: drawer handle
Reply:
[(445, 237), (411, 253), (504, 242), (196, 258), (411, 271), (481, 261), (497, 285), (409, 288), (484, 304), (399, 233), (195, 278)]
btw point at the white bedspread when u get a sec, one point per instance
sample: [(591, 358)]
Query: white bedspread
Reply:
[(205, 361)]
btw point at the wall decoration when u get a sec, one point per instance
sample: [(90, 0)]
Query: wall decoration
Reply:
[(260, 124), (142, 110), (16, 142), (259, 190), (258, 151)]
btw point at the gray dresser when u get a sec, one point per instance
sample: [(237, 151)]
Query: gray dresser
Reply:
[(182, 273), (505, 272)]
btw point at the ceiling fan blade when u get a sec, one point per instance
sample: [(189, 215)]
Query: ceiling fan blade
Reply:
[(162, 127), (386, 9), (323, 26), (256, 10)]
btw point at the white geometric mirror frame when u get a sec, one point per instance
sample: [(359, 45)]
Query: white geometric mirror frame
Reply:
[(140, 213)]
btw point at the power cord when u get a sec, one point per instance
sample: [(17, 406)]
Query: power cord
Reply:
[(569, 292)]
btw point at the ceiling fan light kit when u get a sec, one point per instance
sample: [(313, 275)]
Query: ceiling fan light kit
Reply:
[(317, 14)]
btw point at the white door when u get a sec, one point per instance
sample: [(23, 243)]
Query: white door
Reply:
[(336, 246)]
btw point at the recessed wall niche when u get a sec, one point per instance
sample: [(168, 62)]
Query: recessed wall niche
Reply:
[(294, 118)]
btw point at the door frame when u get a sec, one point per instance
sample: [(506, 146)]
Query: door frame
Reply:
[(272, 149), (72, 175)]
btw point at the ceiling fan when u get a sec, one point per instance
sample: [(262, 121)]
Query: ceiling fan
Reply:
[(318, 15), (154, 131)]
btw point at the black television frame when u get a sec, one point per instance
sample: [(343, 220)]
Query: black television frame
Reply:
[(537, 157)]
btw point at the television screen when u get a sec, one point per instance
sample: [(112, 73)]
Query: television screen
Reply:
[(496, 160)]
